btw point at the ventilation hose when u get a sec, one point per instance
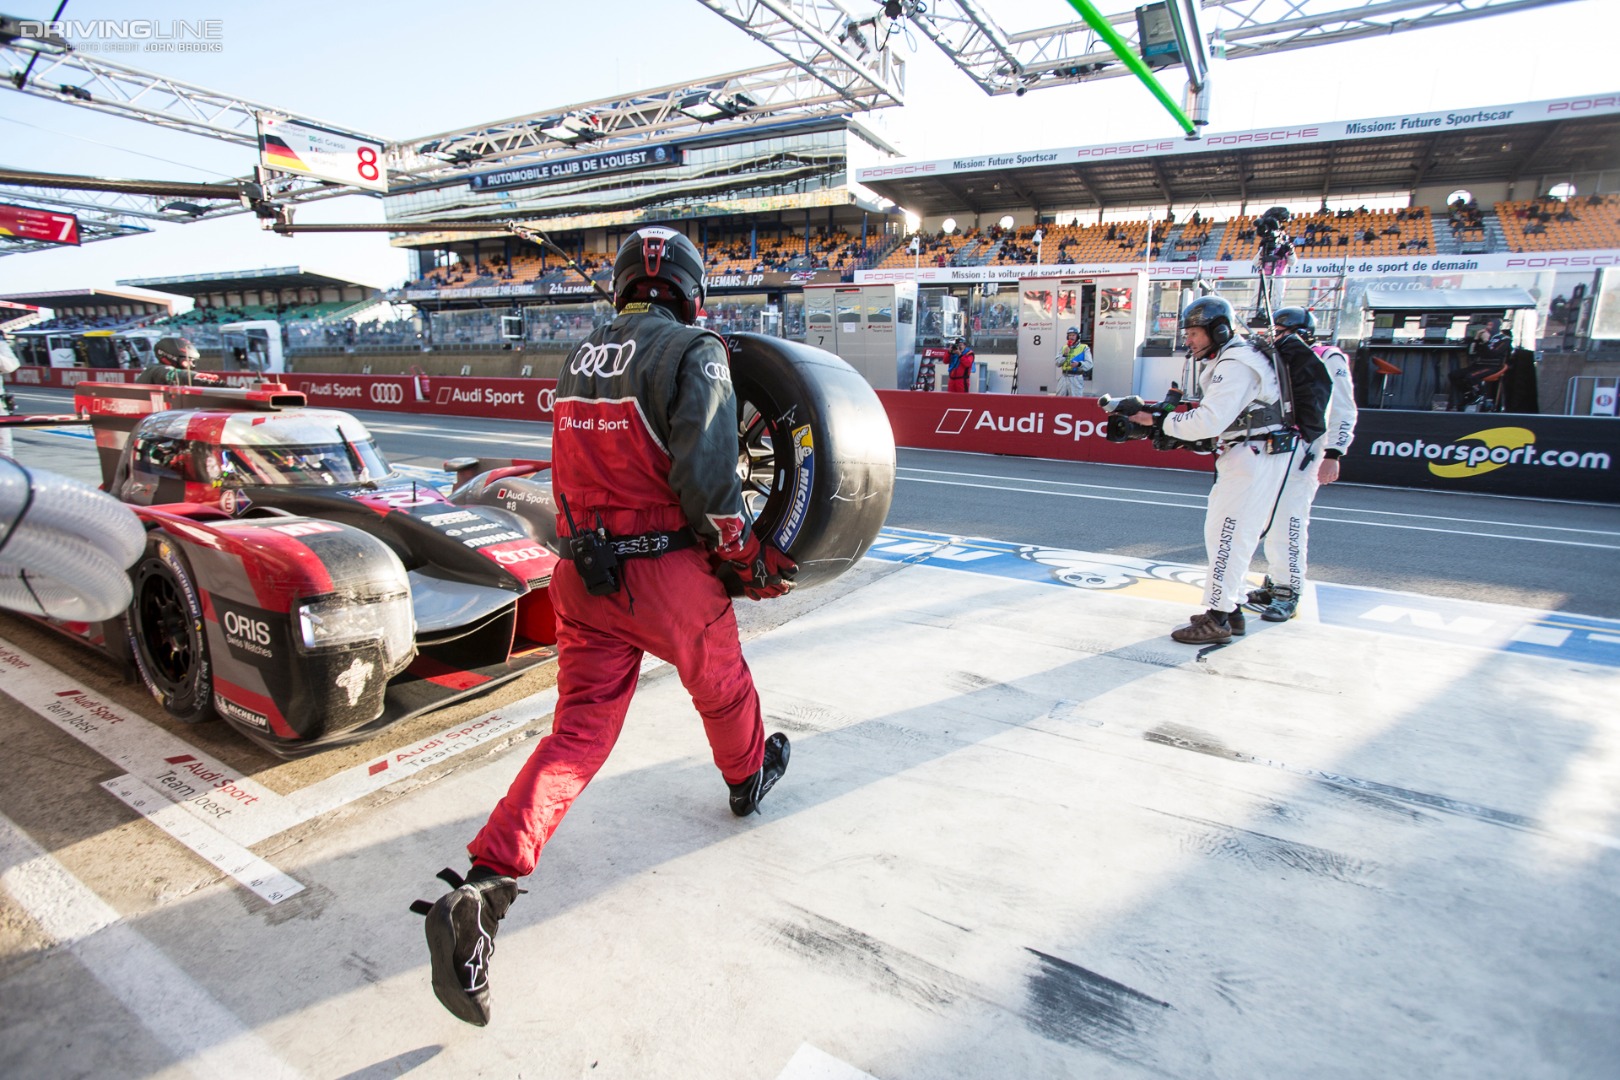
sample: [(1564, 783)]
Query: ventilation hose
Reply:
[(64, 546)]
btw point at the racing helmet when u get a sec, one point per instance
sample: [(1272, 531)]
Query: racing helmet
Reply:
[(660, 265), (1213, 314), (176, 352), (1075, 330), (1296, 320)]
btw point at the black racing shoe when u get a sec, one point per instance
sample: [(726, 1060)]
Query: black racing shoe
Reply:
[(1284, 605), (1261, 597), (461, 929), (746, 796)]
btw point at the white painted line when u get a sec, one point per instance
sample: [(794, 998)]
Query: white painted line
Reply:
[(242, 809), (1607, 639), (254, 873), (361, 780), (179, 1013), (1542, 635), (809, 1063), (1321, 514)]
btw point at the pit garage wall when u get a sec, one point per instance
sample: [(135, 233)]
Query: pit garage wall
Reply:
[(1557, 457)]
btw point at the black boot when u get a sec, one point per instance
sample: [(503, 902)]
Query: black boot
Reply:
[(461, 929), (1283, 606), (746, 796), (1261, 597)]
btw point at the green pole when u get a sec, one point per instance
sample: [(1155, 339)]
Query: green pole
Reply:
[(1122, 49)]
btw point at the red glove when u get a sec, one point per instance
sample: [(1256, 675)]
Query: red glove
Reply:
[(764, 571)]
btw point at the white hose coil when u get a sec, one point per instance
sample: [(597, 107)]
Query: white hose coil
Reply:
[(64, 546)]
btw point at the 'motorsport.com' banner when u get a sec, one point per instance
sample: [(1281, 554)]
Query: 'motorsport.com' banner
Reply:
[(1552, 457)]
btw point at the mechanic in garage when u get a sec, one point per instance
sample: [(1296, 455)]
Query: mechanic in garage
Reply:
[(644, 466)]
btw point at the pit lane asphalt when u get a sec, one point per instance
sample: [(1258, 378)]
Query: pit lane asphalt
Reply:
[(1531, 553), (1023, 836)]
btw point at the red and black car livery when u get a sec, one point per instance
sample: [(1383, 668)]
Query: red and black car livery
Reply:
[(292, 583)]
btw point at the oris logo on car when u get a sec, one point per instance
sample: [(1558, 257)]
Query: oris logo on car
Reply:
[(388, 393), (255, 630)]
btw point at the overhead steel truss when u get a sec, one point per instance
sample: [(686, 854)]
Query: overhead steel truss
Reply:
[(838, 60), (90, 82), (774, 94), (1000, 61), (826, 39)]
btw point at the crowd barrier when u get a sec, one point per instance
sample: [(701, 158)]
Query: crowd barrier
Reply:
[(1559, 457)]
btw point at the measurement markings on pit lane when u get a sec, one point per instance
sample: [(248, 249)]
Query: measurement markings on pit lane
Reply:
[(171, 781), (253, 873)]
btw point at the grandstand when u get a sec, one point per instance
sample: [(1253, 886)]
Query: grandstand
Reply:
[(299, 299), (1433, 199), (77, 310)]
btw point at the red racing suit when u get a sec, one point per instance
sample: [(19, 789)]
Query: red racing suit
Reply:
[(961, 371), (644, 439)]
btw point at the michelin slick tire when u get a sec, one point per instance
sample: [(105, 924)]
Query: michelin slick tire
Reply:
[(166, 633), (815, 453)]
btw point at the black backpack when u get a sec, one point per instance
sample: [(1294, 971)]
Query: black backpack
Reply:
[(1306, 385)]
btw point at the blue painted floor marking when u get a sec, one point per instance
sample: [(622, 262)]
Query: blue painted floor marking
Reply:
[(1549, 635)]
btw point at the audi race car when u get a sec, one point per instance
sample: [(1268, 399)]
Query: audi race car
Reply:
[(296, 587)]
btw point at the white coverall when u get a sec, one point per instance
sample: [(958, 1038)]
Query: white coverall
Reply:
[(1287, 540), (1073, 364), (1247, 478), (8, 364)]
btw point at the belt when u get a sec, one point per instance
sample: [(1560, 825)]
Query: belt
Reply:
[(652, 544)]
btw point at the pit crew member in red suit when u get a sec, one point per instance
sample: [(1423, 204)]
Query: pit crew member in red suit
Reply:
[(644, 467)]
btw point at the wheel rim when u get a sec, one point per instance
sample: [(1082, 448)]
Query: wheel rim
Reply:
[(166, 636), (759, 467)]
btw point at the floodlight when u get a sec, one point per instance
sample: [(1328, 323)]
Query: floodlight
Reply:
[(710, 105), (573, 128)]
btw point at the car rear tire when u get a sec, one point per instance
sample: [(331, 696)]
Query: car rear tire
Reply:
[(167, 635), (815, 453)]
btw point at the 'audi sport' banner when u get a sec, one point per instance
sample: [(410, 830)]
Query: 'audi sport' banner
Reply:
[(1067, 429), (1549, 457), (1559, 457), (496, 399)]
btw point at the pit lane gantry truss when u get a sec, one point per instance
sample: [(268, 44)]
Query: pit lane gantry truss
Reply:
[(839, 57)]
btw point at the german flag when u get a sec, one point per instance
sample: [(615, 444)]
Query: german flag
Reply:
[(278, 155)]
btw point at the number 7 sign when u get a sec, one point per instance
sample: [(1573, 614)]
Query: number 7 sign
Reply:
[(28, 223)]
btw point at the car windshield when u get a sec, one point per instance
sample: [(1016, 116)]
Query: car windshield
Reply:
[(305, 465)]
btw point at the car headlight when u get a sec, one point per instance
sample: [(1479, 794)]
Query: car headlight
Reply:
[(338, 621)]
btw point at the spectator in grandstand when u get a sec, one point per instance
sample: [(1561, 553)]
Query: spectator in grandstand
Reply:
[(644, 458), (176, 364), (961, 367)]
